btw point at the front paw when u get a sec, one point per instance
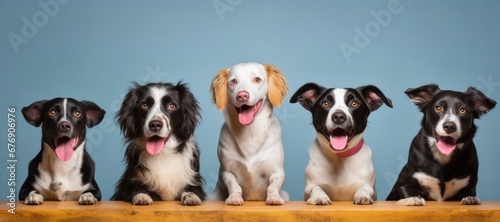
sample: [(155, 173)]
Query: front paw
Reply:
[(411, 201), (34, 198), (362, 200), (142, 199), (470, 201), (235, 200), (87, 199), (319, 200), (274, 199), (190, 199)]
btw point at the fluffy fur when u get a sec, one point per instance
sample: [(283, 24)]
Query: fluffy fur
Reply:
[(250, 148), (62, 170), (442, 163), (158, 121)]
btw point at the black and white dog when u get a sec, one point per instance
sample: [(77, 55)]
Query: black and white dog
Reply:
[(62, 170), (340, 165), (158, 121), (442, 163)]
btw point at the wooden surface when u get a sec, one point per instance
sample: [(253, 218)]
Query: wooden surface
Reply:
[(251, 211)]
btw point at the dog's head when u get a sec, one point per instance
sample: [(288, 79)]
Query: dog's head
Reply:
[(340, 114), (157, 113), (246, 87), (64, 122), (449, 115)]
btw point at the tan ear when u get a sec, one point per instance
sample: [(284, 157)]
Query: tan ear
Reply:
[(218, 88), (277, 86)]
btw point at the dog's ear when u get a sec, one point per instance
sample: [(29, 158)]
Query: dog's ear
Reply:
[(190, 111), (374, 97), (93, 113), (33, 113), (307, 95), (277, 86), (481, 103), (218, 88), (423, 94), (125, 116)]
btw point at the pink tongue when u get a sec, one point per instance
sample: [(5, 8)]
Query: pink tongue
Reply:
[(155, 145), (338, 142), (246, 116), (65, 151), (445, 148)]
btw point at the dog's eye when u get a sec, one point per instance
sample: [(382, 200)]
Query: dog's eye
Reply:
[(257, 80), (354, 104), (462, 111), (171, 106), (325, 104), (233, 82), (52, 113), (144, 106), (438, 109), (77, 114)]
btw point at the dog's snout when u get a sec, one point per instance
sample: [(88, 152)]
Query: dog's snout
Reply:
[(155, 125), (339, 117), (449, 127), (64, 127), (243, 96)]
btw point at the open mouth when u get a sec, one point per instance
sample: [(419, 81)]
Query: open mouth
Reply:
[(65, 147), (339, 138), (446, 144), (155, 144), (246, 114)]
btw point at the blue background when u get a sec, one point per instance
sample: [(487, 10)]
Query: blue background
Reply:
[(92, 50)]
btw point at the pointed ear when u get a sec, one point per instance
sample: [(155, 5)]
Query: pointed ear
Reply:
[(423, 94), (93, 113), (218, 88), (277, 86), (33, 113), (374, 97), (307, 95), (481, 103)]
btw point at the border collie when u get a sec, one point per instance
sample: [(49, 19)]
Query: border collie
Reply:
[(158, 121), (442, 163), (62, 170), (340, 163)]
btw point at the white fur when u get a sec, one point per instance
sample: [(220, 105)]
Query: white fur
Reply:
[(155, 113), (411, 201), (449, 117), (339, 95), (251, 156), (452, 187)]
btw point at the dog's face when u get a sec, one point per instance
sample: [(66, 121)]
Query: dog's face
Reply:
[(64, 122), (156, 113), (245, 87), (339, 114), (449, 115)]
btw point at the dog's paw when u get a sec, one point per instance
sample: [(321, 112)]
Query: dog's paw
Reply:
[(34, 199), (142, 199), (470, 201), (319, 200), (87, 199), (235, 200), (190, 199), (274, 199), (362, 200), (411, 201)]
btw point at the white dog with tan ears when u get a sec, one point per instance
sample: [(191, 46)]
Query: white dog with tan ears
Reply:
[(250, 149)]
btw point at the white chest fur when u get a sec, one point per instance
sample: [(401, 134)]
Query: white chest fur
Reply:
[(451, 187), (60, 180)]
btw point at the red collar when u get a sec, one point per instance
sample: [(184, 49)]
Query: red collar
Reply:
[(351, 151)]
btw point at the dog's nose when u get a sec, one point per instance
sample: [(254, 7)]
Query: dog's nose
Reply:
[(155, 125), (449, 127), (338, 117), (243, 96), (64, 127)]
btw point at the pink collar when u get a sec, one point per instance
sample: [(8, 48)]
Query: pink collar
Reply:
[(351, 151)]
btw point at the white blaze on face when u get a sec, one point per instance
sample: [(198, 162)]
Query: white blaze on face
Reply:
[(156, 140), (446, 143), (338, 141)]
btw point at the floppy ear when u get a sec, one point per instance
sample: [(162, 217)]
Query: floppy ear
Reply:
[(93, 113), (307, 95), (423, 94), (374, 97), (481, 103), (33, 113), (218, 88), (125, 116), (277, 86), (190, 111)]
